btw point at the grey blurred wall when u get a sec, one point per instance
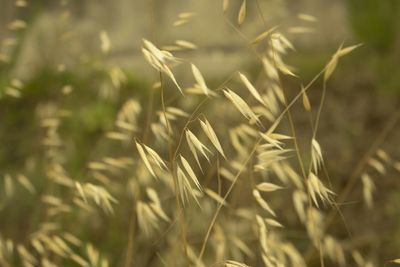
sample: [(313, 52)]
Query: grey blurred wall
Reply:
[(55, 37)]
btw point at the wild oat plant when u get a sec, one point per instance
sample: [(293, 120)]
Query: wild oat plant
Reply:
[(197, 176)]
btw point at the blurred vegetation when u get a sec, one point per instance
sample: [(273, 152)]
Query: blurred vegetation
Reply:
[(376, 24), (88, 111)]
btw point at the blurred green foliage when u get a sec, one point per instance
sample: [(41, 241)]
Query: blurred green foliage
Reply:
[(376, 23), (89, 114)]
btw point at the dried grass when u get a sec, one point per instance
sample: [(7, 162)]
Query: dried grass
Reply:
[(238, 220)]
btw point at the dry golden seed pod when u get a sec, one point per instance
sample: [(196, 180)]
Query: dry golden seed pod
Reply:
[(186, 15), (17, 25), (274, 223), (190, 172), (377, 165), (24, 181), (307, 17), (300, 30), (241, 105), (209, 131), (145, 159), (344, 51), (306, 101), (186, 44), (225, 5), (263, 204), (199, 79), (215, 197), (21, 3), (316, 155), (330, 67), (263, 35), (105, 42), (242, 12), (251, 88), (268, 187), (368, 188)]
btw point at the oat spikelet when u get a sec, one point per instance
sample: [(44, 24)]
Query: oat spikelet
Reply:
[(21, 3), (274, 223), (72, 239), (316, 155), (285, 69), (306, 100), (242, 12), (262, 202), (79, 260), (157, 53), (24, 253), (377, 165), (368, 189), (183, 18), (180, 22), (8, 185), (117, 136), (195, 145), (159, 59), (225, 5), (300, 30), (347, 50), (199, 79), (271, 140), (145, 160), (262, 36), (184, 187), (396, 165), (156, 158), (267, 155), (17, 25), (242, 246), (147, 219), (190, 172), (215, 196), (268, 187), (105, 42), (156, 204), (330, 67), (208, 130), (280, 43), (171, 76), (241, 105), (186, 44), (334, 250), (299, 201), (270, 68), (307, 17), (24, 181), (172, 113), (317, 189), (186, 15), (251, 88), (382, 154), (93, 254)]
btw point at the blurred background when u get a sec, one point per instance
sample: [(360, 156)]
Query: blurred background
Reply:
[(83, 60)]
